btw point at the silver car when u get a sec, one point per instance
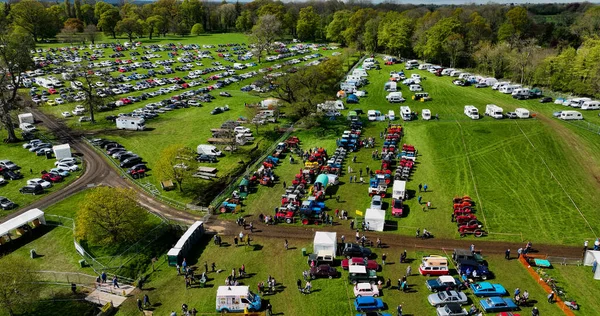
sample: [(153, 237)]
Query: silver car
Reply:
[(447, 297), (451, 309)]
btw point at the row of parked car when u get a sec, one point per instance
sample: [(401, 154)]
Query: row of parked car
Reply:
[(127, 159)]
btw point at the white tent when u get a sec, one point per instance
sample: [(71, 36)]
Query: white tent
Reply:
[(325, 241), (22, 219), (26, 118), (375, 219), (62, 151), (592, 259)]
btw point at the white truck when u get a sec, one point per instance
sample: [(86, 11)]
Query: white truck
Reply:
[(494, 111), (209, 150), (471, 112), (395, 97), (399, 190), (131, 123), (237, 299)]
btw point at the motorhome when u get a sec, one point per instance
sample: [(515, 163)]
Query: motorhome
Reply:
[(331, 105), (578, 102), (424, 66), (508, 89), (237, 299), (399, 190), (209, 150), (391, 115), (375, 115), (426, 114), (591, 105), (471, 112), (405, 113), (415, 87), (395, 97), (455, 73), (499, 85), (494, 111), (464, 76), (411, 63), (348, 86), (131, 123), (570, 115), (359, 72), (522, 113), (390, 86), (434, 265), (489, 81), (520, 93), (447, 71)]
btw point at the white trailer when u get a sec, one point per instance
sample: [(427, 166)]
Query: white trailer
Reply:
[(570, 115), (131, 123), (405, 113), (522, 113), (26, 118), (590, 105), (399, 190), (62, 151), (471, 112), (494, 111)]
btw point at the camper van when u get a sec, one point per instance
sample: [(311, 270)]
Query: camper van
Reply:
[(390, 86), (359, 72), (447, 71), (455, 73), (494, 111), (348, 86), (424, 66), (399, 190), (490, 82), (391, 115), (464, 76), (395, 97), (522, 113), (520, 93), (509, 89), (209, 150), (374, 115), (426, 114), (578, 102), (415, 87), (471, 112), (237, 299), (570, 115), (499, 85), (131, 123), (411, 63), (434, 265), (591, 105), (405, 113)]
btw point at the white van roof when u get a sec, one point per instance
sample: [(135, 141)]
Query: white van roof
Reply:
[(570, 112), (399, 185), (233, 290), (357, 269)]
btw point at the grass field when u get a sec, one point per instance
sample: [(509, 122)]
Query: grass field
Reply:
[(31, 167), (330, 297)]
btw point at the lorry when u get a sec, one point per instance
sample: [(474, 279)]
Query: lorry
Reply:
[(494, 111), (131, 123), (237, 299), (210, 150), (471, 112)]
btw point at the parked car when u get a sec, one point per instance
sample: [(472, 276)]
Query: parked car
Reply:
[(2, 181), (353, 250), (12, 175), (129, 162), (367, 303), (34, 189), (481, 85), (366, 289), (206, 158), (374, 314), (442, 283), (45, 184), (472, 266), (376, 202), (487, 289), (557, 113), (68, 167), (224, 94), (323, 271), (446, 297), (66, 114), (497, 304), (62, 172), (451, 309), (545, 100), (6, 204), (511, 115), (69, 161), (360, 261), (51, 177), (7, 164), (466, 254), (358, 274)]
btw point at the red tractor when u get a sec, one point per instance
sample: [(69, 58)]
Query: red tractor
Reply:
[(265, 180), (395, 129), (292, 142), (462, 211), (472, 227), (285, 214), (463, 219)]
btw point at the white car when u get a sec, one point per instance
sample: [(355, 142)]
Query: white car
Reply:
[(43, 183), (65, 166), (66, 114), (69, 161), (366, 289), (59, 101), (85, 119)]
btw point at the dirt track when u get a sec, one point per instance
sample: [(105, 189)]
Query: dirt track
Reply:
[(99, 172)]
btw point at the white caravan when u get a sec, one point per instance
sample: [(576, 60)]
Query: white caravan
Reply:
[(570, 115), (494, 111), (471, 112), (405, 113)]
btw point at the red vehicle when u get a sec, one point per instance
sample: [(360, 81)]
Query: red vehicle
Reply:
[(285, 214), (51, 177), (52, 91), (472, 227), (397, 207), (463, 219), (137, 174), (357, 261), (126, 101)]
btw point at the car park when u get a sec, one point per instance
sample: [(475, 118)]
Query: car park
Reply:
[(447, 297)]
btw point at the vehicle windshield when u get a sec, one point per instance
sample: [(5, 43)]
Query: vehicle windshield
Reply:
[(397, 204), (250, 296)]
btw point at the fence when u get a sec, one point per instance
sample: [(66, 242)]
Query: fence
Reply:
[(586, 126), (58, 277)]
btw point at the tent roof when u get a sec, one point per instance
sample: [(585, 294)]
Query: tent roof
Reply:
[(374, 214), (181, 242), (20, 220), (325, 238), (62, 146), (232, 290)]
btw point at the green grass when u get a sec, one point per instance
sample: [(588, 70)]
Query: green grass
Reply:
[(578, 282), (332, 297), (31, 167)]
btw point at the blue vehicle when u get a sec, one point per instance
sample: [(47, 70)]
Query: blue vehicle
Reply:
[(469, 267), (498, 304), (368, 303), (352, 98), (374, 314), (487, 289)]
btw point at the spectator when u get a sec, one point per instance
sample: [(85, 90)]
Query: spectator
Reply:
[(420, 187), (551, 297), (507, 254), (399, 310), (146, 300), (383, 257), (535, 311), (139, 305)]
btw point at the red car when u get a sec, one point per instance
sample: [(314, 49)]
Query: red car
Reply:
[(52, 91), (508, 314), (51, 177), (397, 207), (126, 101), (356, 261)]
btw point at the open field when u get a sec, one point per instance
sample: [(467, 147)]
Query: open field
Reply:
[(330, 297), (31, 167)]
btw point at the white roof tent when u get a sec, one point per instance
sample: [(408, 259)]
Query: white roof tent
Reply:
[(375, 219), (62, 151), (592, 259), (22, 219), (325, 241), (232, 290)]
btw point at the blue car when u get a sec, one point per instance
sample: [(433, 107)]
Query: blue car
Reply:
[(498, 304), (374, 314), (368, 303), (487, 289)]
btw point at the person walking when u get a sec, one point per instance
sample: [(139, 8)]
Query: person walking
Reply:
[(419, 199), (399, 310), (284, 185), (360, 172), (378, 243), (115, 282), (286, 244), (103, 276), (420, 187), (519, 252), (408, 271), (535, 311), (139, 305), (383, 257), (343, 238), (352, 224), (507, 254), (472, 248), (213, 267), (551, 297), (425, 187), (299, 285), (146, 300), (399, 284), (428, 205), (418, 233), (585, 246), (206, 267), (269, 309), (235, 241)]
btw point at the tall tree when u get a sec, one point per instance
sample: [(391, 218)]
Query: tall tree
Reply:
[(395, 32), (129, 26), (108, 22), (370, 36), (588, 24), (308, 23), (90, 33), (154, 22), (338, 25), (244, 22), (356, 27), (197, 29), (78, 9), (436, 37), (19, 288), (29, 15), (14, 60), (109, 216), (264, 34), (68, 11), (177, 163), (454, 46)]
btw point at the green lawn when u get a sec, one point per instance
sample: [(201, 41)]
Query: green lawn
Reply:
[(331, 297), (578, 283), (31, 167)]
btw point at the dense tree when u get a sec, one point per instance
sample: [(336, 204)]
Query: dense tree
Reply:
[(454, 46), (19, 285), (177, 163), (588, 24), (395, 33), (77, 9), (477, 29), (87, 14), (75, 24), (101, 7), (129, 26), (227, 15), (370, 38), (356, 27), (264, 33), (516, 26), (308, 23), (153, 24), (275, 8), (109, 216), (244, 21), (197, 29), (90, 33), (29, 15), (436, 37), (338, 25), (108, 22)]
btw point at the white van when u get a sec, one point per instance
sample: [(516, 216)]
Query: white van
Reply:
[(405, 113), (522, 113), (27, 127), (494, 111), (209, 150), (591, 105), (399, 190), (471, 112), (415, 87), (395, 97), (411, 63), (374, 115), (390, 86), (237, 299), (570, 115), (391, 115), (426, 114)]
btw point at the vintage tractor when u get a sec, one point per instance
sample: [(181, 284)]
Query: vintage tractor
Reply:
[(265, 180), (229, 206), (464, 219), (464, 198), (395, 129), (472, 227), (292, 142), (462, 211), (377, 186), (384, 175), (285, 214)]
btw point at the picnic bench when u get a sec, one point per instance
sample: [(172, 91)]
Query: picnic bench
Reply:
[(207, 169)]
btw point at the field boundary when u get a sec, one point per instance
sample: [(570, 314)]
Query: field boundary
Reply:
[(556, 179)]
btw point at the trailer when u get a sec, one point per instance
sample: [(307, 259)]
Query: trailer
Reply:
[(131, 123)]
